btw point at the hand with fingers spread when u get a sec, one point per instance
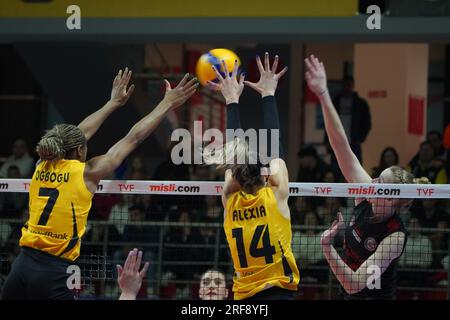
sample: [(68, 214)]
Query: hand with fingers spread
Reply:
[(184, 90), (328, 236), (129, 276), (229, 85), (119, 93), (315, 75), (268, 81)]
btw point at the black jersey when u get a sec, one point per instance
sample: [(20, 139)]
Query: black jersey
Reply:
[(361, 240)]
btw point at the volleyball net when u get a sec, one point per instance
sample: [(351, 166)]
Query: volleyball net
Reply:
[(178, 226)]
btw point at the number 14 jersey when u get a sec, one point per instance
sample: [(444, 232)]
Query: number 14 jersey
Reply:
[(260, 239), (59, 203)]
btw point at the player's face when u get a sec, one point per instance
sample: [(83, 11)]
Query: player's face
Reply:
[(213, 286)]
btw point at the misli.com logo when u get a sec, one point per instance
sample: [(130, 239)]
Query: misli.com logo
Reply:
[(4, 186), (367, 191), (172, 187)]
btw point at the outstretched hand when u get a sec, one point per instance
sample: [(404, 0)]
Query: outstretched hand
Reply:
[(175, 97), (229, 85), (119, 93), (328, 235), (129, 276), (315, 75), (268, 81)]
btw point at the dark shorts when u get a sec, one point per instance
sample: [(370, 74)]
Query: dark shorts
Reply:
[(36, 275), (274, 293)]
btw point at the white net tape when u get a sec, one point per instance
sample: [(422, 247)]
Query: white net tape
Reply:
[(214, 188)]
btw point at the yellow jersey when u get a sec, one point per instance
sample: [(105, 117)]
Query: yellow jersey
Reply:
[(259, 237), (59, 203)]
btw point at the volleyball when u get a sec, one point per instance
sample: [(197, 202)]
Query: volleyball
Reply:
[(214, 57)]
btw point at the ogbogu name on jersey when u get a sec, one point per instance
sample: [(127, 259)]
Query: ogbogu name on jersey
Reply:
[(249, 213), (51, 176)]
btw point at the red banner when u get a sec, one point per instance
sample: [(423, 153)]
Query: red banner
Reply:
[(416, 111)]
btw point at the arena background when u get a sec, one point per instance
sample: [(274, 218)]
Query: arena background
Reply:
[(50, 74)]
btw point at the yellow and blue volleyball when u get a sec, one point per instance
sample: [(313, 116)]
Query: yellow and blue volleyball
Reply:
[(214, 57)]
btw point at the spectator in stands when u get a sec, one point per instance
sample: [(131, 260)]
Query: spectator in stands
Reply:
[(439, 242), (97, 234), (306, 245), (435, 138), (417, 255), (214, 209), (311, 167), (446, 144), (329, 177), (426, 166), (119, 212), (418, 248), (102, 205), (213, 285), (13, 204), (19, 158), (327, 211), (137, 234), (299, 206), (178, 249), (137, 170), (309, 256), (389, 157), (428, 212), (440, 153)]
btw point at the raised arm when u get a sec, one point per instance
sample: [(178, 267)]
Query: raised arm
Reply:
[(101, 166), (231, 90), (279, 178), (119, 97), (266, 86), (348, 163), (232, 108), (354, 281)]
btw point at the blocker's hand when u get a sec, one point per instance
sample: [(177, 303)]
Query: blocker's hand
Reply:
[(229, 85), (268, 81), (328, 236)]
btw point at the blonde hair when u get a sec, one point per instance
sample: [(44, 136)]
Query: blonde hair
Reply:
[(58, 141), (243, 162), (231, 153), (405, 177)]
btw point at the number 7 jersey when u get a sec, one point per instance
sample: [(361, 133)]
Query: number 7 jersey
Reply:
[(259, 237), (59, 205)]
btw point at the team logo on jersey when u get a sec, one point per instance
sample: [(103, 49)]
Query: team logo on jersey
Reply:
[(370, 244)]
